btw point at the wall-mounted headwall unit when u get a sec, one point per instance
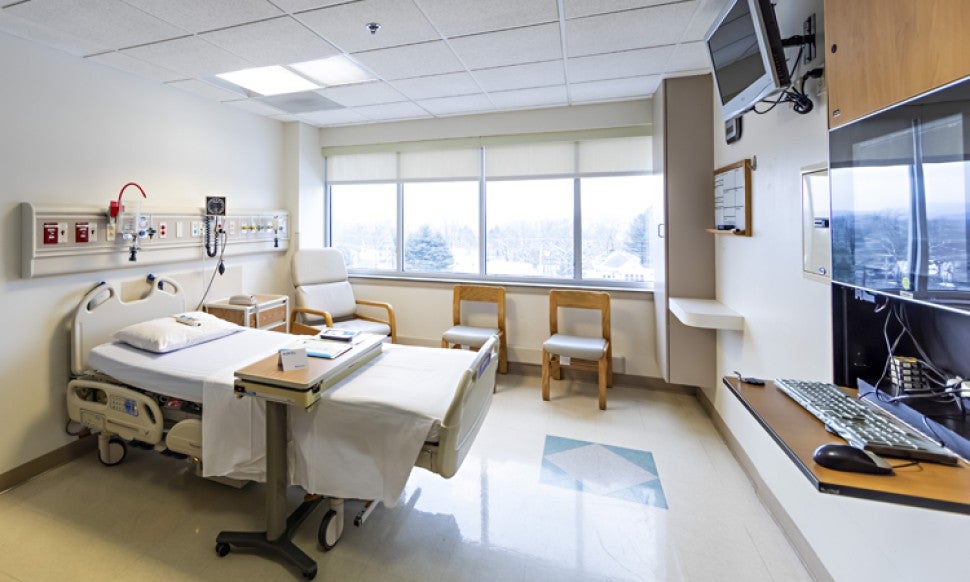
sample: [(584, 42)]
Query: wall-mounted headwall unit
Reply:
[(59, 240)]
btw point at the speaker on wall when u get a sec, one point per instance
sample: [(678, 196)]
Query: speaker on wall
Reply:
[(732, 129)]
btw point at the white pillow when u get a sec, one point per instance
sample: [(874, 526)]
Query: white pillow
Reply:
[(167, 335)]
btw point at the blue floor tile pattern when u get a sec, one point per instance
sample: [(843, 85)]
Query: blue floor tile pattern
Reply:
[(604, 470)]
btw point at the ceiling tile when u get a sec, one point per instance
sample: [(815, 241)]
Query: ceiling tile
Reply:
[(285, 117), (416, 60), (509, 47), (451, 17), (345, 25), (579, 8), (37, 32), (334, 117), (392, 111), (689, 56), (656, 26), (255, 107), (614, 89), (292, 6), (362, 94), (303, 102), (109, 23), (703, 18), (521, 76), (455, 105), (279, 41), (206, 90), (521, 98), (136, 67), (191, 56), (615, 65), (438, 86), (196, 16)]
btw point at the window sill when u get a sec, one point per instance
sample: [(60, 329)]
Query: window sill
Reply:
[(544, 285)]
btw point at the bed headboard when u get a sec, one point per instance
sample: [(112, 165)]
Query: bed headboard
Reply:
[(101, 313)]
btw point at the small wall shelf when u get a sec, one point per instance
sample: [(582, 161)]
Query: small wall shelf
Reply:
[(707, 313), (735, 231)]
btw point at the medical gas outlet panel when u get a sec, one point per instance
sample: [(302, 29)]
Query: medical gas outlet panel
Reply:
[(61, 240)]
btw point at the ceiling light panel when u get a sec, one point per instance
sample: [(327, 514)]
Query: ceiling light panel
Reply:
[(520, 76), (272, 80), (345, 25), (190, 56), (656, 26), (416, 60), (438, 86), (331, 71), (639, 62), (509, 47), (363, 94), (108, 23), (272, 42), (452, 17), (196, 16)]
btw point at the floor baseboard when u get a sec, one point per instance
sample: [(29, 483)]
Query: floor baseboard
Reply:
[(44, 463)]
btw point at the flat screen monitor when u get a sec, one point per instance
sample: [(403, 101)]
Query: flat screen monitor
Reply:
[(747, 55)]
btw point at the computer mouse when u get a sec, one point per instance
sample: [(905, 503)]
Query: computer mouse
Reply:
[(848, 458)]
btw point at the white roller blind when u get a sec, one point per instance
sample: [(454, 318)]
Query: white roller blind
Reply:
[(362, 167), (448, 163), (620, 154), (530, 159)]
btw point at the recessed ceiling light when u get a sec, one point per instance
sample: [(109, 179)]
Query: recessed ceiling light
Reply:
[(337, 70), (273, 80)]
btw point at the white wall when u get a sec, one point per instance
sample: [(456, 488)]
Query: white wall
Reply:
[(788, 333), (74, 132)]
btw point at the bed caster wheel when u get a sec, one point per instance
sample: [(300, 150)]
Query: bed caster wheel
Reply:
[(222, 549), (114, 453), (310, 574), (327, 534)]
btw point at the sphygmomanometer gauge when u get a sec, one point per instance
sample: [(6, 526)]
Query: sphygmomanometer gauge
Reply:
[(215, 205)]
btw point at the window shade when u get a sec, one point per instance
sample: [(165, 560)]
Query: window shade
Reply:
[(362, 167), (530, 159), (623, 154), (449, 163)]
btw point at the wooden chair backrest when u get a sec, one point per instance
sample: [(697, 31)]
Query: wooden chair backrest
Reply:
[(580, 300), (487, 293)]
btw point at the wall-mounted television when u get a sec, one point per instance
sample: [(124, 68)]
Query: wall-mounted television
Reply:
[(747, 55)]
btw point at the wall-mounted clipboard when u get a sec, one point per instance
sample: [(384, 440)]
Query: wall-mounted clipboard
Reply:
[(732, 199)]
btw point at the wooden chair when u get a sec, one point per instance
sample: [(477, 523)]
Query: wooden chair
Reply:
[(584, 353), (474, 336), (324, 295)]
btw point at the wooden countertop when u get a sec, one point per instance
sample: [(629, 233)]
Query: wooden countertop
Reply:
[(799, 433)]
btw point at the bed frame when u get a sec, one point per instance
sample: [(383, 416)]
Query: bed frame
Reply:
[(118, 413)]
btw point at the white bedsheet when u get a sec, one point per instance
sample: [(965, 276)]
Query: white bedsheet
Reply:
[(360, 441)]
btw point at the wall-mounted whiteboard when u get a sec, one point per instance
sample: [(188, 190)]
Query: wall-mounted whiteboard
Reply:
[(732, 199)]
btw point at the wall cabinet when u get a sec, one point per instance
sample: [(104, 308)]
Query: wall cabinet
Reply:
[(881, 52)]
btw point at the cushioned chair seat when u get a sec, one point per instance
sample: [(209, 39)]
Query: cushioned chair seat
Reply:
[(585, 348), (364, 326), (466, 335)]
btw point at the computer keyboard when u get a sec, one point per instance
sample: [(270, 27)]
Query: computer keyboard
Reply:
[(862, 425)]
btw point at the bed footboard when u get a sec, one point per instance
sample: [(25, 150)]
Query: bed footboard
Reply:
[(465, 415)]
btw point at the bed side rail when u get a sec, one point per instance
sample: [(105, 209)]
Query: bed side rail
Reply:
[(114, 409), (468, 409)]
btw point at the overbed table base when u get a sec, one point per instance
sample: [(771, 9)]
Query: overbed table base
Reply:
[(277, 539)]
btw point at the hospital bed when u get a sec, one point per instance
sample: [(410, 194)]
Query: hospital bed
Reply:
[(409, 406)]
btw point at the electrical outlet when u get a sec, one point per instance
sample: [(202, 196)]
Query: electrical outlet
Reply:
[(232, 228), (196, 228), (162, 230), (110, 232)]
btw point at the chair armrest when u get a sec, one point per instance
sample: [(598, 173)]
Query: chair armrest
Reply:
[(390, 315), (297, 328), (297, 310)]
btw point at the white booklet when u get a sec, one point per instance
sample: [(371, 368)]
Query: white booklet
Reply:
[(321, 348)]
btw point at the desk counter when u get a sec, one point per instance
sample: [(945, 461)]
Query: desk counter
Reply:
[(799, 433)]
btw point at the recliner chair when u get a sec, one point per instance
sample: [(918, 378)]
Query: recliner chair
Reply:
[(324, 296)]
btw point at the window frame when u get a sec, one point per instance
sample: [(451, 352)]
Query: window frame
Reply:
[(399, 274)]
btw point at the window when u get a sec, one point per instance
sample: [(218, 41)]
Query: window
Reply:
[(556, 211)]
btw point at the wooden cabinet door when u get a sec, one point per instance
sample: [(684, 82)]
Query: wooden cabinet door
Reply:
[(886, 51)]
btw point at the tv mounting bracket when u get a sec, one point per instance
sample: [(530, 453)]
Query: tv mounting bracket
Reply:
[(806, 39)]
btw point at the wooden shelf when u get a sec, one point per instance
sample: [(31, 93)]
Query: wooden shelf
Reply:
[(798, 433), (734, 231), (707, 313)]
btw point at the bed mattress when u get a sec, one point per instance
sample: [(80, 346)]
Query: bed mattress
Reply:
[(183, 373)]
